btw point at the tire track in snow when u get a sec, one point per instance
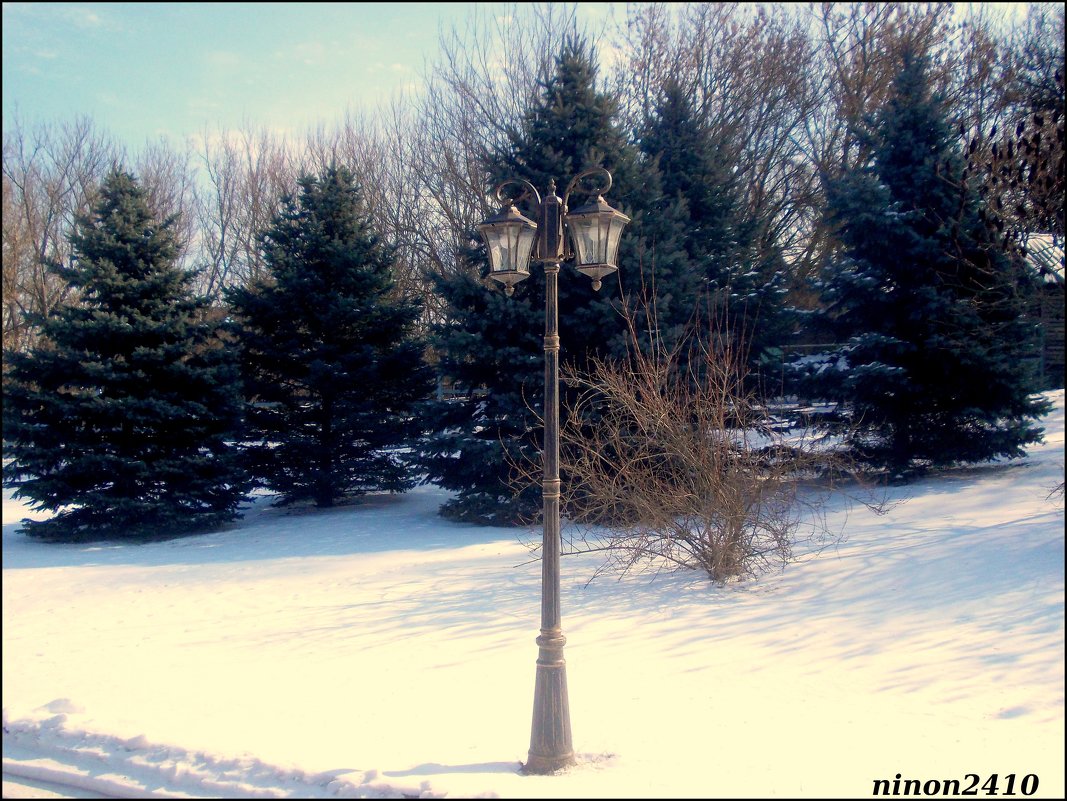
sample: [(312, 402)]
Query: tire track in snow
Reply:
[(112, 767)]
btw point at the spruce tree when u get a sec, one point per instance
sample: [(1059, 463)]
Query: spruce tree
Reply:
[(119, 419), (722, 263), (933, 371), (490, 345), (670, 288), (333, 369)]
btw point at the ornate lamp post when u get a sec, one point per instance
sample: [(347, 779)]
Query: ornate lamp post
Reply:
[(512, 239)]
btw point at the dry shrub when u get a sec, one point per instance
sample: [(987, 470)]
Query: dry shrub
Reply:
[(667, 456)]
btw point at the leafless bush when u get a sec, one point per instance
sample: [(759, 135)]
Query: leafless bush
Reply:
[(668, 458)]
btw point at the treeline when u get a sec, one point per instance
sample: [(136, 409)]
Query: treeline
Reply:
[(783, 89), (143, 412), (787, 170)]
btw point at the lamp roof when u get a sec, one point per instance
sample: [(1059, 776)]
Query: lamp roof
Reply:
[(598, 206), (507, 215)]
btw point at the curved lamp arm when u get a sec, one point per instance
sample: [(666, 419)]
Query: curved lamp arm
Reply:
[(528, 190), (585, 174)]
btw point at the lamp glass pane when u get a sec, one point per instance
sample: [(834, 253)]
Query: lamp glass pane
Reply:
[(526, 238), (584, 231), (612, 240), (508, 237), (493, 243)]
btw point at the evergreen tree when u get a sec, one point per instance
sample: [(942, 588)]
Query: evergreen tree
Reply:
[(933, 369), (670, 286), (332, 367), (118, 420), (703, 209), (491, 345)]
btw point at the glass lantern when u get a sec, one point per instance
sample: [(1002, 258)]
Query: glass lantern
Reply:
[(596, 229), (509, 237)]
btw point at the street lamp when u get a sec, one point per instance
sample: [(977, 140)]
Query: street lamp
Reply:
[(512, 239)]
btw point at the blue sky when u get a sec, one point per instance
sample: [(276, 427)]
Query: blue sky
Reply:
[(145, 70)]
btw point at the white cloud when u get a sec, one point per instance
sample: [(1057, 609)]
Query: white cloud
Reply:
[(110, 99), (221, 59), (311, 53), (203, 105), (82, 17), (610, 55)]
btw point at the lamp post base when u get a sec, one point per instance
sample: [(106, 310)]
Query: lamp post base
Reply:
[(550, 740), (543, 766)]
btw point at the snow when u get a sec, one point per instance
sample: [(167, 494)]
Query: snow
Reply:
[(377, 650), (1045, 255)]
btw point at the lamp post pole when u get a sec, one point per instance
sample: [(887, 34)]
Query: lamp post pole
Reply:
[(550, 737), (511, 240)]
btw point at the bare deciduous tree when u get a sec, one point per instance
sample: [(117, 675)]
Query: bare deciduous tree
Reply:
[(50, 174), (473, 100), (750, 73), (1018, 162), (168, 178), (247, 171), (856, 51)]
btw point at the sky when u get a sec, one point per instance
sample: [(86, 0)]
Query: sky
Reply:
[(143, 71), (148, 70)]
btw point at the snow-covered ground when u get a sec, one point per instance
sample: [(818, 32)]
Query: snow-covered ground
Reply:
[(377, 650)]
